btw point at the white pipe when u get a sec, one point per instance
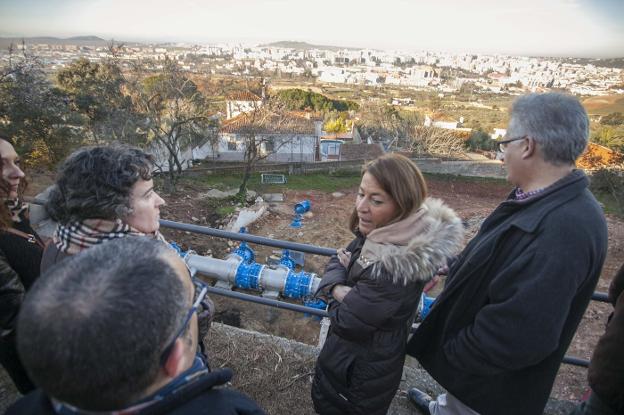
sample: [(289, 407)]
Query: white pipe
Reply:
[(269, 279)]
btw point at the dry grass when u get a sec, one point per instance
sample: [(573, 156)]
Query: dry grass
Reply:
[(274, 372)]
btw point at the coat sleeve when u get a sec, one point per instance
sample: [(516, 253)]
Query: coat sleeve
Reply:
[(529, 303), (11, 295), (366, 308), (335, 273)]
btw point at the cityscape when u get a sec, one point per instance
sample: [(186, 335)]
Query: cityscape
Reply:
[(440, 71)]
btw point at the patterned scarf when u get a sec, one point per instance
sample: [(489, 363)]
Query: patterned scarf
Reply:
[(75, 237), (17, 209)]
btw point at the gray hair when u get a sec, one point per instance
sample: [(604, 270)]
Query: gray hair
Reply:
[(96, 182), (557, 122), (92, 329)]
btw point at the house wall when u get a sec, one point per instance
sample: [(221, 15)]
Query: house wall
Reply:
[(234, 108), (288, 147)]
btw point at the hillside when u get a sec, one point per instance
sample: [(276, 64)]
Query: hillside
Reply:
[(304, 46), (50, 40)]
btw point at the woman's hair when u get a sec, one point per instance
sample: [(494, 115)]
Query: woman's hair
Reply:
[(5, 214), (96, 182), (401, 179)]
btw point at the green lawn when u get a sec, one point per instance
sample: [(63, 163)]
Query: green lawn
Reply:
[(322, 182)]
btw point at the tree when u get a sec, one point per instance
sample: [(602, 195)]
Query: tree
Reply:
[(608, 136), (175, 114), (96, 91), (298, 99), (480, 140), (384, 123), (435, 141), (34, 113), (337, 123), (614, 118), (264, 130)]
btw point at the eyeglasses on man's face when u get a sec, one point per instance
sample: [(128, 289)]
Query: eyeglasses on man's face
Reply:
[(502, 145), (202, 289)]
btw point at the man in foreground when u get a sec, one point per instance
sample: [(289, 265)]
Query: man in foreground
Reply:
[(114, 330), (496, 335)]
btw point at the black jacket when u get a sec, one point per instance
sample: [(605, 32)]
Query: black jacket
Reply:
[(606, 370), (200, 397), (497, 333), (19, 268), (360, 366)]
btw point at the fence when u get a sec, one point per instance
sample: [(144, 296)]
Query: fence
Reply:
[(488, 168), (311, 249)]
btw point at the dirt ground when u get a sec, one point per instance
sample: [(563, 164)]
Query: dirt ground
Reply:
[(325, 226)]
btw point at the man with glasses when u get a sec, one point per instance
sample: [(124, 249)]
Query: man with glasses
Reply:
[(513, 299), (114, 331)]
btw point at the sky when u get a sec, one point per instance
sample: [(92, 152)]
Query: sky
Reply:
[(572, 28)]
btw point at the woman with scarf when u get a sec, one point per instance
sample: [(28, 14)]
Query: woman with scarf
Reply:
[(373, 286), (20, 254), (103, 193)]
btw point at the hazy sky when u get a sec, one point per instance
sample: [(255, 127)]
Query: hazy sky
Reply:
[(530, 27)]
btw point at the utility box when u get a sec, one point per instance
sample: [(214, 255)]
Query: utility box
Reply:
[(273, 178)]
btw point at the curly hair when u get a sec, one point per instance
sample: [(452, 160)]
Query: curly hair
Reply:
[(96, 182)]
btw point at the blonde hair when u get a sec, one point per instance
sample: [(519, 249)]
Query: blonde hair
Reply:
[(401, 179)]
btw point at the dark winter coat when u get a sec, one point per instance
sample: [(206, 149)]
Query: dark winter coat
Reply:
[(361, 363), (497, 333), (19, 268), (51, 256), (606, 370), (201, 397)]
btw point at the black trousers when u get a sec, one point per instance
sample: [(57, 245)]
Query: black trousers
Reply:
[(12, 364)]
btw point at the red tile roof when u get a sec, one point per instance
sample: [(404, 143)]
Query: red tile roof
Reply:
[(243, 96), (260, 123)]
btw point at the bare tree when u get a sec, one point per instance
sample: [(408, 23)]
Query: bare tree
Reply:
[(174, 111), (264, 130), (436, 141)]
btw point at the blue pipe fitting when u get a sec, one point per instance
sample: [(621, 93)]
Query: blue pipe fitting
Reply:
[(302, 207), (244, 251), (426, 304), (296, 223), (297, 285), (315, 303), (286, 260), (248, 275), (178, 249)]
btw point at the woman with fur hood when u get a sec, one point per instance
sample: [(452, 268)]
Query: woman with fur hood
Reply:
[(374, 286)]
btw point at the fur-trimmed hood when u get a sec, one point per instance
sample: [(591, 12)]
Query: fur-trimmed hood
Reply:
[(440, 238)]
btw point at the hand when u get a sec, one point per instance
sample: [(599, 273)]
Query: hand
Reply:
[(431, 284), (339, 292), (344, 257)]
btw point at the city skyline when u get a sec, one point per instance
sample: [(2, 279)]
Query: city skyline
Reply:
[(574, 28)]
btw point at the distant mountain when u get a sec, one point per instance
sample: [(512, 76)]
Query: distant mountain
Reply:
[(76, 40), (86, 38), (304, 46)]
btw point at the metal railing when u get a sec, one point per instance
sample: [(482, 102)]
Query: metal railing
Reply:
[(311, 249)]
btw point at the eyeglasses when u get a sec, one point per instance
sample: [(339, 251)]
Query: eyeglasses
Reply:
[(502, 145), (196, 303)]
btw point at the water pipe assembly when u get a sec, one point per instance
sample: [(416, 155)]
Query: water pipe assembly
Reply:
[(240, 269)]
